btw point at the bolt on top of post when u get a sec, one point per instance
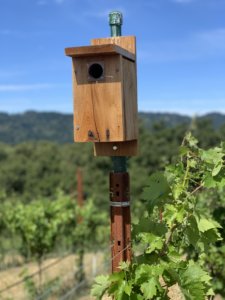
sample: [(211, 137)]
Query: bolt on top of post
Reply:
[(115, 22)]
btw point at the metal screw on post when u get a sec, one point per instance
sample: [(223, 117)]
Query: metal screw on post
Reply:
[(119, 188)]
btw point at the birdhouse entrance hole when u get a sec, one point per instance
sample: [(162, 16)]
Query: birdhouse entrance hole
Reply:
[(95, 71)]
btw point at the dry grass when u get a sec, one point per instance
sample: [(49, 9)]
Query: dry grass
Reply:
[(63, 269)]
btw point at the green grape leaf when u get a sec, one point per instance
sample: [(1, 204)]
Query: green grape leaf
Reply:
[(173, 213), (116, 276), (207, 224), (192, 231), (135, 296), (192, 163), (153, 242), (147, 225), (157, 191), (194, 282), (217, 168), (183, 150), (210, 236), (195, 273), (144, 272), (124, 265), (193, 291), (209, 181), (128, 289), (192, 141), (175, 256), (178, 190), (100, 286), (120, 293), (149, 288)]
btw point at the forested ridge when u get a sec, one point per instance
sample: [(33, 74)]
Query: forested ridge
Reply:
[(46, 160), (57, 127)]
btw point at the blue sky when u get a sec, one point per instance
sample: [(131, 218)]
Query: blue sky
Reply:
[(181, 51)]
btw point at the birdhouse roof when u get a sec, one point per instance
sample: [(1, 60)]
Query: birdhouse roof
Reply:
[(107, 49)]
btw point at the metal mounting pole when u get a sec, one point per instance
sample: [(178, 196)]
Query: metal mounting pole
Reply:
[(119, 188)]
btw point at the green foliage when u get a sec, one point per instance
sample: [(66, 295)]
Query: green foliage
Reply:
[(29, 284), (39, 170), (42, 224), (92, 231), (176, 235), (38, 224), (34, 170)]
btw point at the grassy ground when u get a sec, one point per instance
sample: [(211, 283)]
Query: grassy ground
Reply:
[(64, 270)]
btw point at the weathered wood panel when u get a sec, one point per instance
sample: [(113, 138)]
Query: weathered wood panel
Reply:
[(98, 107)]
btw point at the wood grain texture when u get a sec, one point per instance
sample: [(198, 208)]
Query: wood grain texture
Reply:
[(129, 90), (106, 49), (126, 42), (129, 106), (98, 108), (128, 148)]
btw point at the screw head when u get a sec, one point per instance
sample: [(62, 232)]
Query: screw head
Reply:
[(115, 147)]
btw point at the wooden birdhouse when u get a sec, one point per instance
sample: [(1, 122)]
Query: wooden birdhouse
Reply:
[(105, 95)]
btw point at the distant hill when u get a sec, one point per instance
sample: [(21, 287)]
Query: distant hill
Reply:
[(173, 119), (169, 120), (17, 128), (31, 125)]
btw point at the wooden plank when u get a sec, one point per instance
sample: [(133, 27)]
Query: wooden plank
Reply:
[(126, 42), (128, 148), (129, 87), (98, 108), (106, 49)]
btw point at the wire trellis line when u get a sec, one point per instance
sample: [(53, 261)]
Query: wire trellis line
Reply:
[(74, 289), (33, 274), (55, 286), (77, 286)]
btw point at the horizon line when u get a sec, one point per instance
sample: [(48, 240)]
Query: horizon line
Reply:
[(187, 114)]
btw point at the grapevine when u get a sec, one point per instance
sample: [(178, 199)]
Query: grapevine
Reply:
[(172, 240)]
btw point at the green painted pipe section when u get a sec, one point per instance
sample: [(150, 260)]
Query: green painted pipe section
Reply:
[(115, 22), (119, 164)]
